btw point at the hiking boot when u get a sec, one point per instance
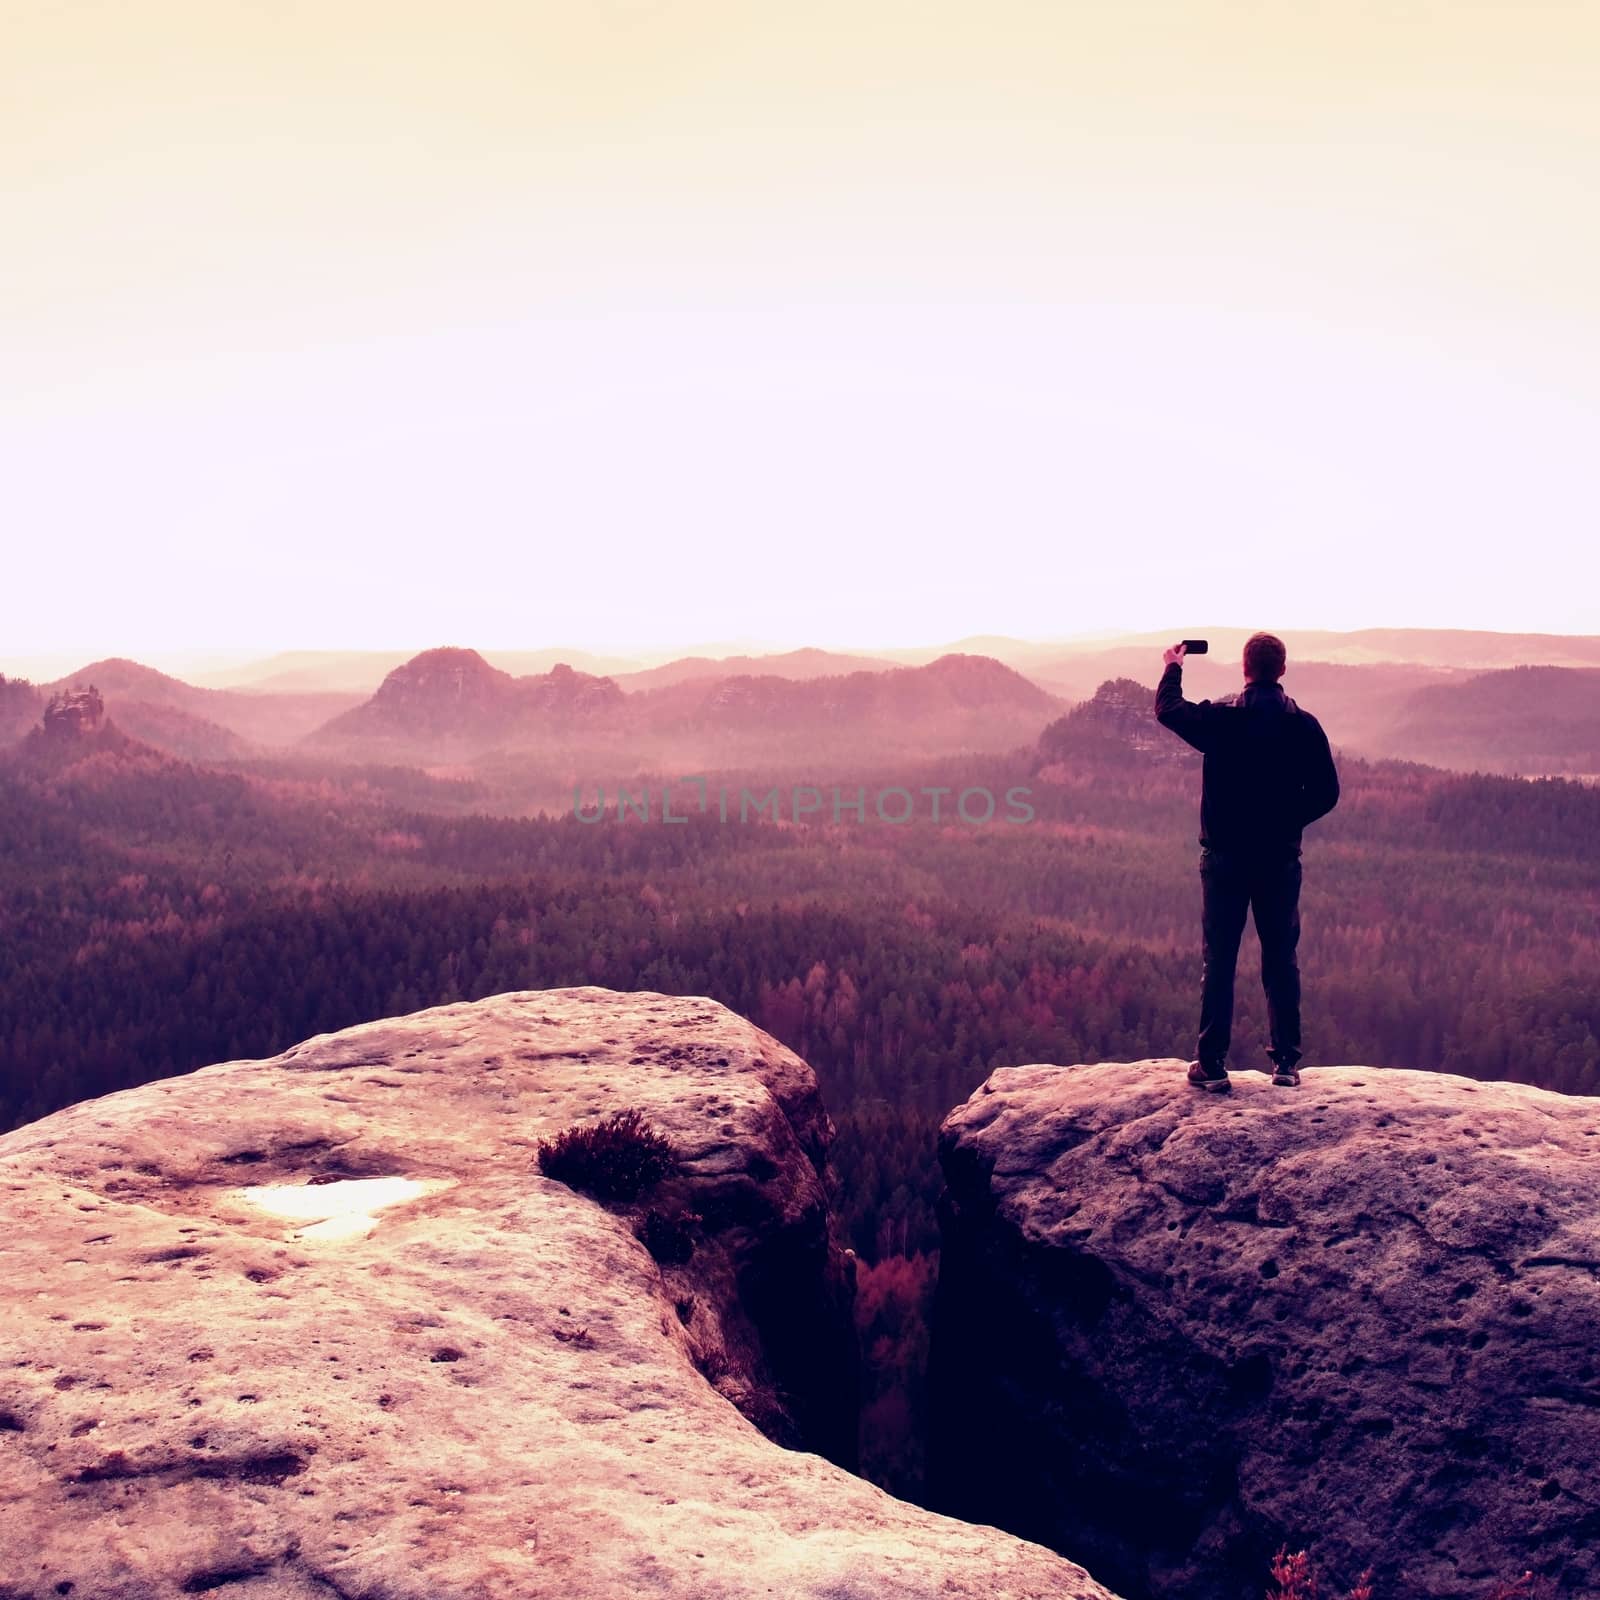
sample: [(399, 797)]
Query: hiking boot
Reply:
[(1213, 1079), (1285, 1074)]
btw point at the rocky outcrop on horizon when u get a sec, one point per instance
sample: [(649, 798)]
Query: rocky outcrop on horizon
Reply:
[(455, 698), (77, 714), (319, 1326), (1174, 1332), (453, 702), (1116, 724)]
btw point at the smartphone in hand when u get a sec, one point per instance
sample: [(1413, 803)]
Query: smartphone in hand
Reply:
[(1195, 647)]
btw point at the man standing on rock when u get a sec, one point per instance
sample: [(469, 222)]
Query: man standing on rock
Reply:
[(1268, 773)]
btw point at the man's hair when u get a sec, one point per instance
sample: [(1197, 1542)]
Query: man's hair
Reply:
[(1264, 658)]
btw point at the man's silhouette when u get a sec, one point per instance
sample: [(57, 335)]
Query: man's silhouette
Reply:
[(1267, 773)]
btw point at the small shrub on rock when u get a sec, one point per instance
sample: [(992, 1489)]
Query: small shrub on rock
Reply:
[(668, 1237), (617, 1158)]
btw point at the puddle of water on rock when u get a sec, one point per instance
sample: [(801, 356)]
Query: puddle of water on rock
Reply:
[(342, 1210)]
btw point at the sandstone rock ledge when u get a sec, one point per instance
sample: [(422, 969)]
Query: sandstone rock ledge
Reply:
[(446, 1375), (1362, 1316)]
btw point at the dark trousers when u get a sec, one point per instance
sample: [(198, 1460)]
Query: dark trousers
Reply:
[(1270, 888)]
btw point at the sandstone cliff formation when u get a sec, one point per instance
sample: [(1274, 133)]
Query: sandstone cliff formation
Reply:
[(318, 1328), (1362, 1317), (455, 696), (1113, 725)]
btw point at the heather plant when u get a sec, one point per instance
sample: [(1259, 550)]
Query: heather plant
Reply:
[(617, 1158), (1293, 1579)]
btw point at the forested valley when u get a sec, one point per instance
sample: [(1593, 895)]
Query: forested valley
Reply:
[(156, 916)]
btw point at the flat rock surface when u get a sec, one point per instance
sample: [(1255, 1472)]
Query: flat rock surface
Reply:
[(445, 1375), (1176, 1330)]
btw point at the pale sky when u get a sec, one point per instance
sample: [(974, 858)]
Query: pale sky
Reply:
[(618, 323)]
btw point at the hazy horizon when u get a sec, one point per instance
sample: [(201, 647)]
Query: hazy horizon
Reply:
[(49, 665)]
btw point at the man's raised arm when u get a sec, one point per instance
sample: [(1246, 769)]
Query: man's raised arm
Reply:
[(1183, 717)]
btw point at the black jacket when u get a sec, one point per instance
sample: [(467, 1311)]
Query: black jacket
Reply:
[(1268, 771)]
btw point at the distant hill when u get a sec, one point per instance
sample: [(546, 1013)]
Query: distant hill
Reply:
[(1022, 654), (1221, 672), (1356, 705), (178, 733), (360, 672), (957, 702), (1459, 649), (311, 672), (196, 723), (59, 746), (120, 679), (280, 719), (452, 698), (21, 706), (1529, 720), (159, 710), (794, 664), (1117, 725), (1448, 647), (1077, 665)]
